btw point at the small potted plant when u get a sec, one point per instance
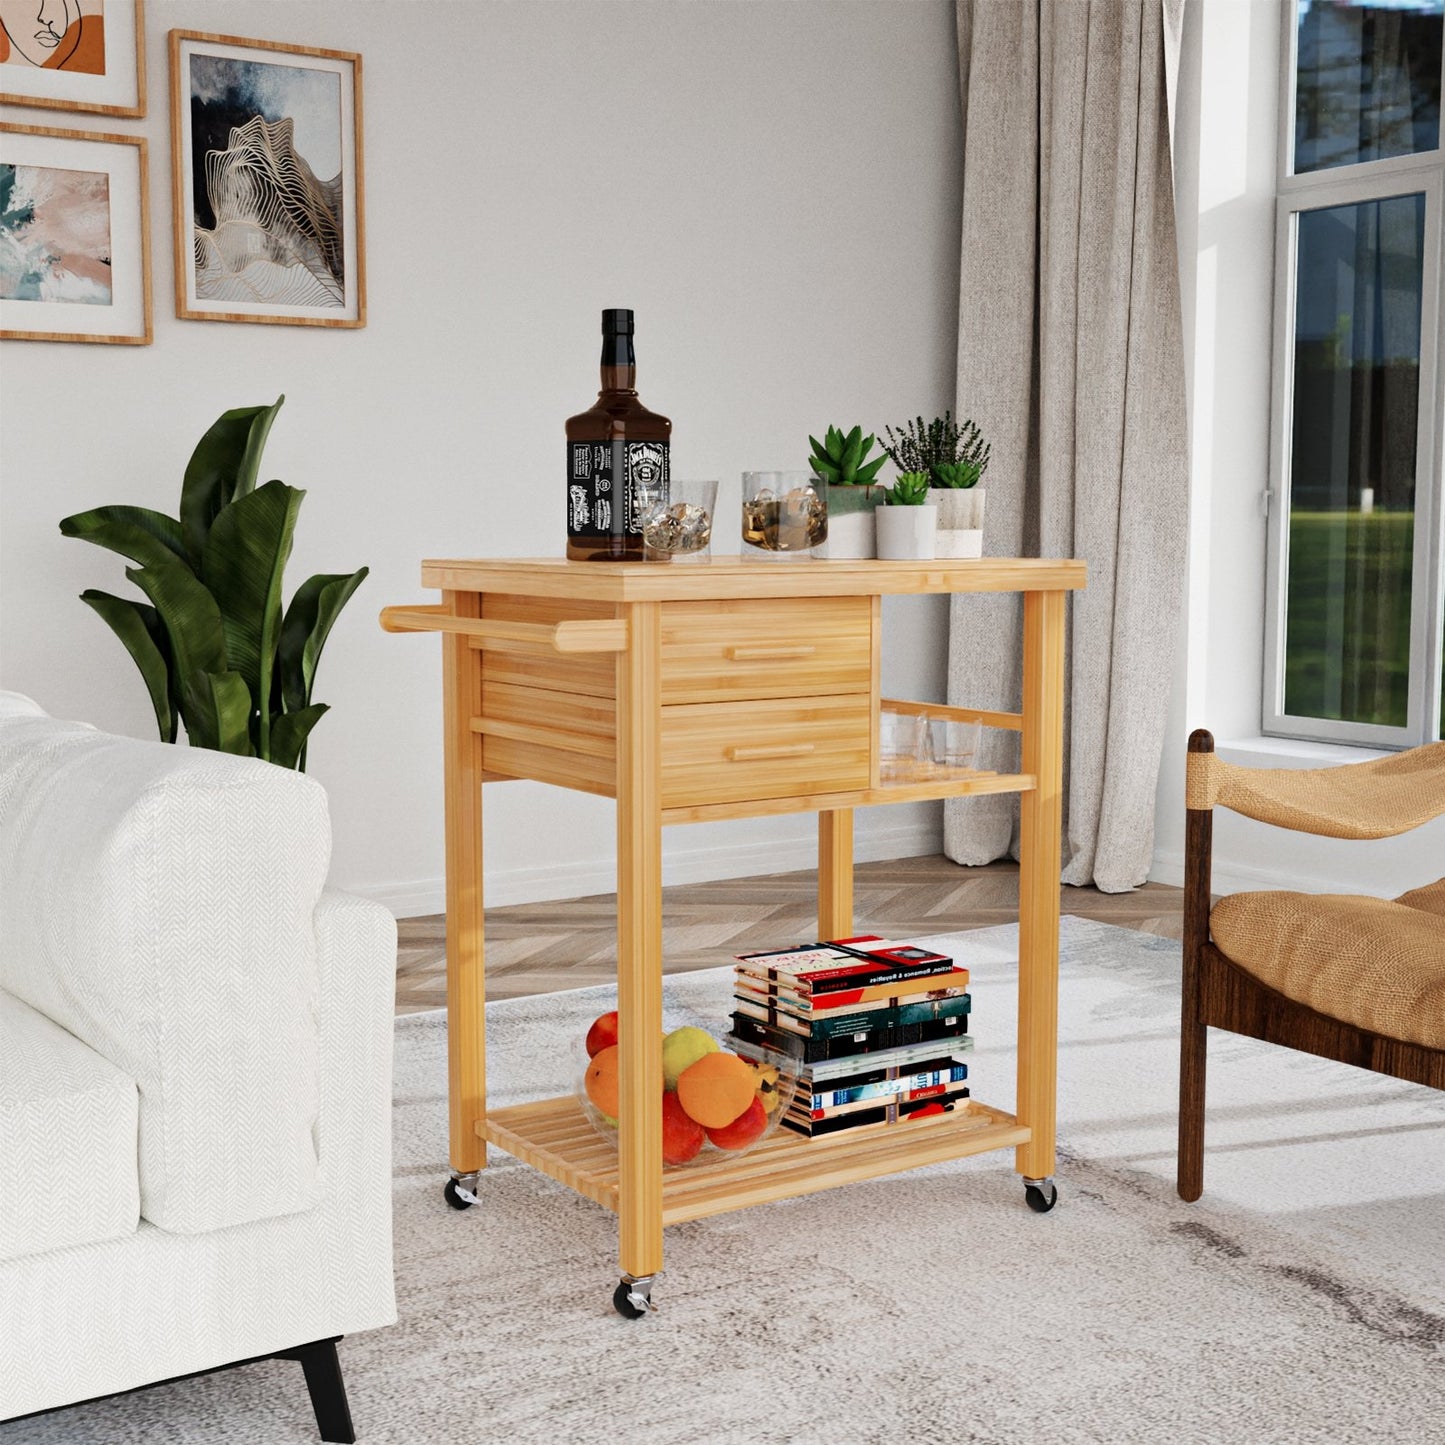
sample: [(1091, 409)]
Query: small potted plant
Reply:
[(907, 520), (842, 462), (955, 456)]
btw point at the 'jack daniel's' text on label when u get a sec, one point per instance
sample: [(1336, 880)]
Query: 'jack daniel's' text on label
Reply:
[(611, 484)]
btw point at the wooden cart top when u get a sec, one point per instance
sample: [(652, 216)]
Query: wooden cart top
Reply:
[(726, 577)]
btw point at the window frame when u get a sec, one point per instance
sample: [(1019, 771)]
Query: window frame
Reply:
[(1422, 173)]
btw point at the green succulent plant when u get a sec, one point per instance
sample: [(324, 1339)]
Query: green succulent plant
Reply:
[(920, 446), (212, 643), (910, 490), (957, 476), (840, 460)]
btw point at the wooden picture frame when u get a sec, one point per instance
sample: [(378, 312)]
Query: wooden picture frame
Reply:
[(77, 267), (100, 45), (266, 176)]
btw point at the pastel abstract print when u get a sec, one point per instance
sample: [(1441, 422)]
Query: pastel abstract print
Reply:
[(64, 35), (54, 235), (266, 171)]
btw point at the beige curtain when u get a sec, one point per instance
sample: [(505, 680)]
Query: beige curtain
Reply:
[(1071, 360)]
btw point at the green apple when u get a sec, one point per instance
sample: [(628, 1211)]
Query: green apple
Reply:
[(681, 1049)]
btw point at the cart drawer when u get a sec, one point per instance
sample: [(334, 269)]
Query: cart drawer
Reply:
[(756, 648), (728, 752)]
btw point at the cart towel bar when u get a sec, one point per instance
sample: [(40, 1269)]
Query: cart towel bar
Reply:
[(603, 635)]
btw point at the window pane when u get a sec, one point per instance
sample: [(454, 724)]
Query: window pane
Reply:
[(1367, 82), (1352, 471)]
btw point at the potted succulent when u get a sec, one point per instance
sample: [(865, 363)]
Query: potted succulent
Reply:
[(955, 456), (841, 460), (907, 520)]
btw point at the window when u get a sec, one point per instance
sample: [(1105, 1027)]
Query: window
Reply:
[(1355, 640)]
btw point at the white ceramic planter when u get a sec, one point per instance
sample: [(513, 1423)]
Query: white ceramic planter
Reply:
[(959, 510), (851, 535), (956, 542), (907, 534)]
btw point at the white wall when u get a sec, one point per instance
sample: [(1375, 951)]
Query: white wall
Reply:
[(772, 186), (1225, 164)]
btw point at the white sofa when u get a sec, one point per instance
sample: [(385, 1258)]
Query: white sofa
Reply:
[(195, 1070)]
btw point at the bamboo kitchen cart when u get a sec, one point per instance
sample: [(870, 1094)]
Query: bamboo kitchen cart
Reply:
[(731, 689)]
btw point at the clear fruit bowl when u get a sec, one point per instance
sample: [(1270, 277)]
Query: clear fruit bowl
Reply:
[(715, 1101)]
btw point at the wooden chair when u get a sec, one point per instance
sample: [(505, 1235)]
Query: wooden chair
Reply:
[(1361, 980)]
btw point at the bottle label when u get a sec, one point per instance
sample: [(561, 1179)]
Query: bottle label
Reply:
[(612, 485)]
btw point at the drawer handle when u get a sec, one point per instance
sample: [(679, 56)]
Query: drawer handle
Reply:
[(777, 750), (768, 654)]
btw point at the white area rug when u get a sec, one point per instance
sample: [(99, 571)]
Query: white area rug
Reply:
[(1301, 1300)]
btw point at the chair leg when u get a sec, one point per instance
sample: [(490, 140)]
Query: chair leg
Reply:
[(1193, 1055), (327, 1389)]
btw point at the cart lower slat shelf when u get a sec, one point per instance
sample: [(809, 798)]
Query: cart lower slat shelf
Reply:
[(555, 1136)]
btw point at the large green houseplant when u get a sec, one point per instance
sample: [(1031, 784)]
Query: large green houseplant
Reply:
[(212, 642)]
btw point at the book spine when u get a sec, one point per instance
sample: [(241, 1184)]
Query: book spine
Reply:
[(935, 1080)]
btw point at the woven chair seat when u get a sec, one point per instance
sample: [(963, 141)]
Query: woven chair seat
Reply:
[(1370, 962)]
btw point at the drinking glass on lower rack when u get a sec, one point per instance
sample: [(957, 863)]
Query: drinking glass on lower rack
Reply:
[(681, 527), (952, 744), (785, 515), (900, 745)]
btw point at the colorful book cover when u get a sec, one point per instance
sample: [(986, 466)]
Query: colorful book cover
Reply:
[(831, 967), (893, 1114), (880, 995), (811, 1048), (909, 1086)]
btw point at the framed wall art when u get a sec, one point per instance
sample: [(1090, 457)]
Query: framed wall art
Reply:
[(266, 173), (74, 55), (74, 236)]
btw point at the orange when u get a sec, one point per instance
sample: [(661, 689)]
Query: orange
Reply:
[(715, 1090), (602, 1080)]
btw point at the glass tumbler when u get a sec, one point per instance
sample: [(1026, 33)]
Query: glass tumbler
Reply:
[(785, 514), (952, 744), (680, 528)]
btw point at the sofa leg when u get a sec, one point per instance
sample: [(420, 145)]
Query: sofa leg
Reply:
[(327, 1389)]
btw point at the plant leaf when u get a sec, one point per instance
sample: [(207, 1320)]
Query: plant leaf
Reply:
[(867, 473), (242, 566), (139, 628), (223, 467), (289, 732), (197, 641), (231, 708), (852, 452), (828, 470), (135, 532), (308, 622)]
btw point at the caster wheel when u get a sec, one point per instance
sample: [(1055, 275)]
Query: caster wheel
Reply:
[(1037, 1200), (633, 1298), (453, 1196), (622, 1302)]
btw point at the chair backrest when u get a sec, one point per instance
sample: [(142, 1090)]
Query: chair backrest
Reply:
[(1374, 799)]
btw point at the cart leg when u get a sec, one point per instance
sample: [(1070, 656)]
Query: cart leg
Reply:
[(1040, 827), (466, 992), (639, 946), (835, 873)]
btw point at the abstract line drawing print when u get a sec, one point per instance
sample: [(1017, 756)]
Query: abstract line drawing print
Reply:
[(267, 227), (55, 235), (66, 35)]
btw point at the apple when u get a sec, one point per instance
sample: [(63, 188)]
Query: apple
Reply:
[(749, 1125), (602, 1034), (681, 1137), (681, 1049)]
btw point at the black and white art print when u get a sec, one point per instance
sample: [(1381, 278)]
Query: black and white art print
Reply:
[(267, 182)]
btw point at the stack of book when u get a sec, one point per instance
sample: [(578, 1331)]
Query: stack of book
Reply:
[(879, 1029)]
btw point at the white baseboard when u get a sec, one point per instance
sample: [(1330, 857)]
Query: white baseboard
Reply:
[(1226, 877), (679, 865)]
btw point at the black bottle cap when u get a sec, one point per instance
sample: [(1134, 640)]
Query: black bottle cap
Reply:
[(617, 323)]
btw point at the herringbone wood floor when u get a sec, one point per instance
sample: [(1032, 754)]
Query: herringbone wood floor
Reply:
[(540, 947)]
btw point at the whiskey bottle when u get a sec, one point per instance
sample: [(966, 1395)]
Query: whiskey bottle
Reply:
[(617, 463)]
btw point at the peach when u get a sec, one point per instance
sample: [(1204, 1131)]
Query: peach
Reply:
[(716, 1089), (749, 1125), (601, 1080)]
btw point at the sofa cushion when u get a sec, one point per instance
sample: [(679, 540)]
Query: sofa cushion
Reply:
[(67, 1138), (1366, 961), (158, 904)]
